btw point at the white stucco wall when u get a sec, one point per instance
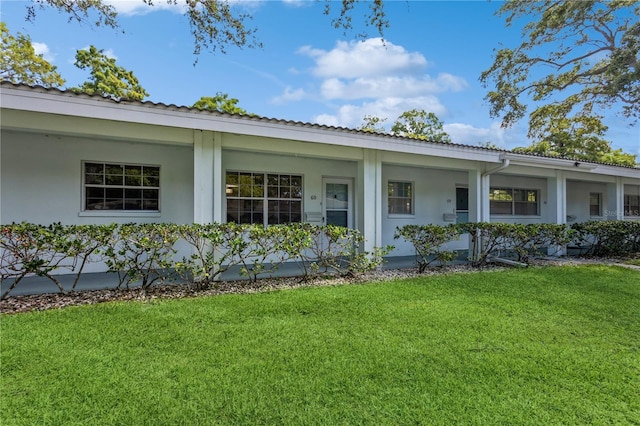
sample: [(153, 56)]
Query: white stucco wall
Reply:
[(578, 199), (434, 195), (42, 178)]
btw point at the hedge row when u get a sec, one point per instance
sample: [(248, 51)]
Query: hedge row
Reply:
[(491, 240), (148, 253)]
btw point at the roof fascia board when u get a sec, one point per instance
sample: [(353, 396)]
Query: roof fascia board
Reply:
[(570, 165), (38, 122), (79, 106)]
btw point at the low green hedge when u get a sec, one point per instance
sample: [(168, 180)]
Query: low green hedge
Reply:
[(148, 253), (595, 238)]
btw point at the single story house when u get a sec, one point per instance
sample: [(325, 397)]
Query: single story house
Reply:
[(80, 159)]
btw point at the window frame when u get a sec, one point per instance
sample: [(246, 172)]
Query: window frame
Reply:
[(514, 202), (265, 197), (631, 210), (411, 198), (84, 211), (598, 205)]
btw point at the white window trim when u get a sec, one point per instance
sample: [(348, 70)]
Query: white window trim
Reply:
[(629, 193), (413, 200), (600, 205), (266, 199), (118, 213), (513, 215)]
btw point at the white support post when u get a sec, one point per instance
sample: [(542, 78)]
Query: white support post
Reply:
[(203, 163), (370, 174), (485, 206), (557, 198), (557, 206), (219, 181), (615, 200), (477, 195)]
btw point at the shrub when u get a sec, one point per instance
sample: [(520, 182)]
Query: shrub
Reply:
[(428, 240), (141, 252), (500, 239), (29, 249), (211, 254), (608, 238)]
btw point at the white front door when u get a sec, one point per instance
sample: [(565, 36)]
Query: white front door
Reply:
[(338, 202)]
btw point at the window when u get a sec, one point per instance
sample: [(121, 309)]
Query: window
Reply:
[(400, 197), (595, 204), (266, 198), (632, 200), (109, 186), (512, 201), (462, 205)]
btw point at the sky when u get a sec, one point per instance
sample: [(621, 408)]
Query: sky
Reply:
[(431, 59)]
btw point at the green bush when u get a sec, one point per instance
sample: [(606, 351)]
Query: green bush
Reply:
[(141, 252), (502, 239), (607, 238), (428, 240), (144, 253)]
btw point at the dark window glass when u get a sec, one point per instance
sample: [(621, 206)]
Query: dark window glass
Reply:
[(263, 198), (120, 187)]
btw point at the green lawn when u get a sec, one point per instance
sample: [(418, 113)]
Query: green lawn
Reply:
[(539, 346)]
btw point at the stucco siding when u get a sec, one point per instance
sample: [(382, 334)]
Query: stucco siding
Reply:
[(434, 195), (578, 200), (42, 178)]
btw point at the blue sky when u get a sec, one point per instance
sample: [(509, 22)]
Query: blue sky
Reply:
[(307, 70)]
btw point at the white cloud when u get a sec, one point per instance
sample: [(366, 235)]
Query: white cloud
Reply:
[(43, 49), (289, 95), (297, 3), (351, 115), (373, 78), (137, 7), (386, 86), (469, 135), (358, 59)]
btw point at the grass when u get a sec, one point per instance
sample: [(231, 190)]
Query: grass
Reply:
[(635, 262), (536, 346)]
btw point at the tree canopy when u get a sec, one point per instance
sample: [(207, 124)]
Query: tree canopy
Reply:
[(373, 124), (106, 77), (580, 138), (415, 123), (576, 59), (420, 124), (578, 54), (220, 102), (214, 24), (19, 62)]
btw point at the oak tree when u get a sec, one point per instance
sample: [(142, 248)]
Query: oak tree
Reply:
[(19, 62), (579, 138), (106, 77), (214, 24), (220, 102), (420, 124), (373, 124), (576, 54)]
